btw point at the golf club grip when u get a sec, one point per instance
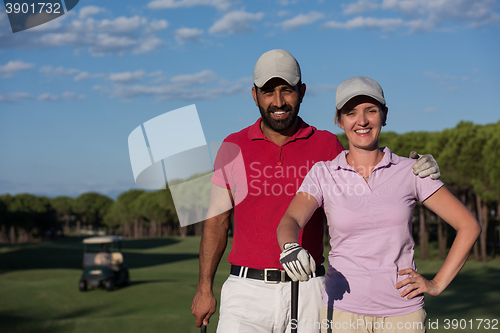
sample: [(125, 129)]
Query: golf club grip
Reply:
[(295, 305), (203, 329)]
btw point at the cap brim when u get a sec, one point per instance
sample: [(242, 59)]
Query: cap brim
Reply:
[(343, 102), (289, 78)]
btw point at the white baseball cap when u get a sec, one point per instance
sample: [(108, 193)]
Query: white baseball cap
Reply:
[(356, 86), (276, 63)]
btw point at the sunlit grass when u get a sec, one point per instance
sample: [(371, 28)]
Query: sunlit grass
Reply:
[(39, 289)]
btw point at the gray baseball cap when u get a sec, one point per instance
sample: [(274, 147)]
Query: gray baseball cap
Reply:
[(356, 86), (276, 63)]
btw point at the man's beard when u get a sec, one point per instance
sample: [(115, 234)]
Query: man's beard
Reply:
[(279, 125)]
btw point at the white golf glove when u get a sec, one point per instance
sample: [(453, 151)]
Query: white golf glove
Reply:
[(425, 165), (297, 262)]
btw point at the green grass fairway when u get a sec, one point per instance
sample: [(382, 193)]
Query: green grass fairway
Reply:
[(39, 290), (473, 295)]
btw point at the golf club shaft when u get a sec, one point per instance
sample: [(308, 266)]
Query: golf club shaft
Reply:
[(295, 305), (203, 329)]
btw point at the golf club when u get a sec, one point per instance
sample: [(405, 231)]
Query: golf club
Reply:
[(203, 329), (295, 305)]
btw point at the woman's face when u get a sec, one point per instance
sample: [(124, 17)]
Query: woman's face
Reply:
[(361, 119)]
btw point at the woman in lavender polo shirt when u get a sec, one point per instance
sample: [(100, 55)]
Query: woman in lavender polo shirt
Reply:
[(368, 194)]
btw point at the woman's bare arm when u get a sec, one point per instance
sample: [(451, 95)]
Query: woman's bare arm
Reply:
[(296, 216), (452, 211)]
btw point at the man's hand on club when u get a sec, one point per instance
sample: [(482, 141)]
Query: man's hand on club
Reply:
[(297, 262), (203, 307), (425, 166)]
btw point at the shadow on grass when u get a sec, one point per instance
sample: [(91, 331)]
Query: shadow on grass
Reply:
[(471, 294), (133, 283), (68, 253), (143, 244), (12, 323), (136, 283)]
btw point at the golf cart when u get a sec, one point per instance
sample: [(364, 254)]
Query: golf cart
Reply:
[(102, 265)]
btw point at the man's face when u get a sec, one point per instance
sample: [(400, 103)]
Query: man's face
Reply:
[(278, 103)]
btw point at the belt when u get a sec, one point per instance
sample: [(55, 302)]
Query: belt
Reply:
[(269, 275)]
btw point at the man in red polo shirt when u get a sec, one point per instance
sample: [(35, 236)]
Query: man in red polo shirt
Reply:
[(260, 169)]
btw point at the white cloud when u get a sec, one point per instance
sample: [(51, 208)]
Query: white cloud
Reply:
[(124, 24), (157, 73), (107, 44), (89, 11), (287, 2), (66, 96), (360, 7), (101, 88), (432, 75), (366, 22), (302, 20), (15, 97), (420, 15), (70, 96), (20, 95), (100, 37), (157, 25), (169, 4), (121, 24), (476, 12), (86, 76), (175, 92), (148, 45), (58, 39), (12, 67), (48, 97), (452, 82), (448, 77), (59, 71), (126, 77), (197, 78), (198, 86), (184, 35), (236, 22)]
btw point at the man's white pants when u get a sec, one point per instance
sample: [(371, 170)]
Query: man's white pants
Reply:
[(253, 306)]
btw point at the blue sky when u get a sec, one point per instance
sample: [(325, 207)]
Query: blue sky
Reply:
[(73, 89)]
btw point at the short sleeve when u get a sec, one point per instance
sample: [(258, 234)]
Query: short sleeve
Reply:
[(228, 164), (229, 171), (311, 184), (425, 187), (221, 175)]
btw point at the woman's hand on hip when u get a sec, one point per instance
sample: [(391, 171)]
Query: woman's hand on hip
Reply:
[(416, 285)]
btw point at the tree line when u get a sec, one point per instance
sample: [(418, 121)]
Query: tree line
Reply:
[(467, 156), (135, 214)]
